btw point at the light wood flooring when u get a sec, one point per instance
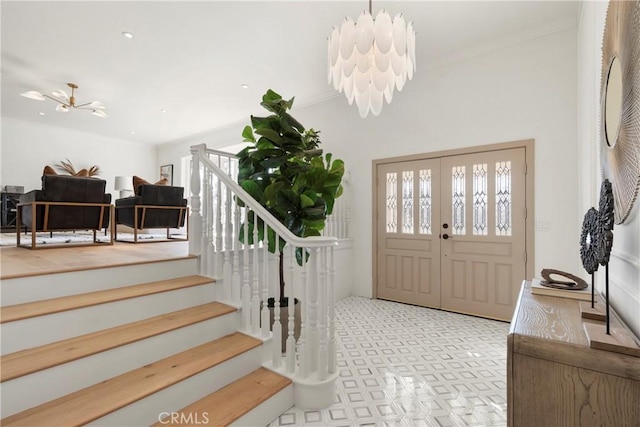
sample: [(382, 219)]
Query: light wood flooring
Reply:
[(21, 262)]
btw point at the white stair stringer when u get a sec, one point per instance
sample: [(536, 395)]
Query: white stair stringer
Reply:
[(40, 387), (40, 330), (152, 408), (268, 410), (35, 288)]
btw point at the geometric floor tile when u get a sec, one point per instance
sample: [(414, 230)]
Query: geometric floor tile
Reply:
[(402, 365)]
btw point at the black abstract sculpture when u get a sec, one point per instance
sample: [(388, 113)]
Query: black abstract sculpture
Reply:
[(596, 240), (589, 246)]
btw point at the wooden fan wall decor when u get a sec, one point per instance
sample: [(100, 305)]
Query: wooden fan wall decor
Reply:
[(620, 104)]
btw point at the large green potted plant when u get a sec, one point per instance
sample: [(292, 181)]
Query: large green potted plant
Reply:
[(289, 175)]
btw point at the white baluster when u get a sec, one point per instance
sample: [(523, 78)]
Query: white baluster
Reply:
[(291, 341), (236, 284), (246, 289), (277, 326), (333, 363), (255, 285), (265, 283), (322, 317), (195, 221)]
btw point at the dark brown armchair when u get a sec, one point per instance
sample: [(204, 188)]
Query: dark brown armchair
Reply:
[(153, 206), (65, 203)]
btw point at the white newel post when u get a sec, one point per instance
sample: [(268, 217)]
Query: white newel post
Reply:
[(207, 209), (312, 308), (303, 350), (322, 317), (333, 363), (195, 221)]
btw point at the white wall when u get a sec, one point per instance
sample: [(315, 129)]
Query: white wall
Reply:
[(518, 92), (28, 146), (624, 267)]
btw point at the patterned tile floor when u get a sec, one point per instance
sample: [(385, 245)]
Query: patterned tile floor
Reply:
[(402, 365)]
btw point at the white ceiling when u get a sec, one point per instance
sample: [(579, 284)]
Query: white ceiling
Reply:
[(190, 58)]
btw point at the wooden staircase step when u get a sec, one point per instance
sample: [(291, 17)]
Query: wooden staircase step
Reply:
[(233, 401), (98, 400), (56, 305), (35, 359)]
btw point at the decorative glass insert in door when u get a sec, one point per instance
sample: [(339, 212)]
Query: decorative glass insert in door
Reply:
[(503, 198), (457, 200), (480, 200), (392, 202), (407, 202), (425, 201)]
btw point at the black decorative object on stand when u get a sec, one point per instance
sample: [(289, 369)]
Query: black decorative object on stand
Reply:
[(606, 236), (589, 240)]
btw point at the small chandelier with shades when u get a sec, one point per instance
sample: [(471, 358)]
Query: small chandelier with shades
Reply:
[(66, 102), (370, 58)]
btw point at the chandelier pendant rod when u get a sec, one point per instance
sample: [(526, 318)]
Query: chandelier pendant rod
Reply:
[(54, 99), (370, 9)]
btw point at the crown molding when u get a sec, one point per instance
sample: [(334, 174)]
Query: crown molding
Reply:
[(484, 48)]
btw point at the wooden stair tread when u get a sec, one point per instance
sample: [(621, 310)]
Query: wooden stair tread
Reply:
[(55, 305), (231, 402), (100, 399), (35, 359)]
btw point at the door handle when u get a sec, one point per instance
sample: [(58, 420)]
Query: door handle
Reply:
[(445, 236)]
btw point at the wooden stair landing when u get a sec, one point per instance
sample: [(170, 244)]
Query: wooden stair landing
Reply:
[(96, 401), (35, 359), (228, 404), (56, 305), (19, 262)]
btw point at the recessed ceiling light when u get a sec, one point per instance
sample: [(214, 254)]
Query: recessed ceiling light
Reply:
[(127, 35), (244, 86), (163, 111), (133, 132), (41, 113)]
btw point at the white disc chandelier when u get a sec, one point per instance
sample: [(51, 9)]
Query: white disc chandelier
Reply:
[(370, 58), (66, 102)]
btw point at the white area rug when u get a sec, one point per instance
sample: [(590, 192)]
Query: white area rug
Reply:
[(70, 237)]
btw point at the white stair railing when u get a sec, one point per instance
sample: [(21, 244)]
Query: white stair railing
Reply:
[(250, 274)]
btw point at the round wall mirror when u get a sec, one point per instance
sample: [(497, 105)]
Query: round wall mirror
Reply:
[(613, 102)]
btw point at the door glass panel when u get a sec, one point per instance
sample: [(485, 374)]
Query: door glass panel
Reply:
[(457, 202), (407, 202), (480, 201), (392, 202), (503, 198), (425, 201)]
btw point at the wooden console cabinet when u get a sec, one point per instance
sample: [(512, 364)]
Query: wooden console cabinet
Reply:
[(555, 379)]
